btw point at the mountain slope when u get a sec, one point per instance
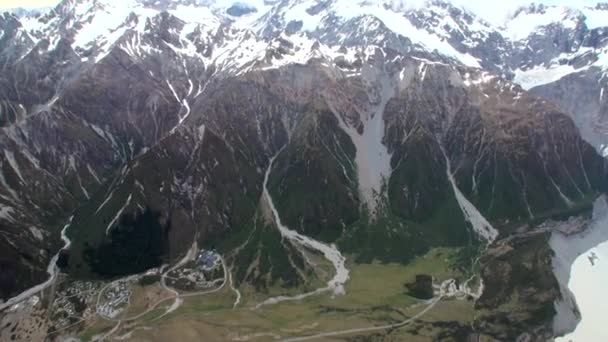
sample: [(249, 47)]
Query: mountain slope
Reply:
[(395, 130)]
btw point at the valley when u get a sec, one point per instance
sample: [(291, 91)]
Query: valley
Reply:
[(198, 292), (374, 302)]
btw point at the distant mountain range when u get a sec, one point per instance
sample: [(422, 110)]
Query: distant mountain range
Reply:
[(27, 12)]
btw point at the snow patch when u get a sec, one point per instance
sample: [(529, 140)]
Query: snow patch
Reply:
[(480, 225), (595, 18), (399, 24), (526, 23), (540, 75), (111, 224), (372, 157), (196, 14), (298, 13), (5, 212), (37, 233), (102, 23)]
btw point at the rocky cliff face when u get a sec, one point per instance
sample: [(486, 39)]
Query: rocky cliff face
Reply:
[(398, 129)]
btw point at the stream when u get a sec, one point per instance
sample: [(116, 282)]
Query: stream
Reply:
[(331, 253), (52, 270)]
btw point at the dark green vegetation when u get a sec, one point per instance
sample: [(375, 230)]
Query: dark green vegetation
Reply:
[(389, 238), (216, 183), (314, 179), (212, 210), (135, 244), (96, 218), (148, 280), (525, 180), (419, 189), (205, 181), (421, 288), (262, 258), (420, 211), (375, 295), (313, 184), (167, 153)]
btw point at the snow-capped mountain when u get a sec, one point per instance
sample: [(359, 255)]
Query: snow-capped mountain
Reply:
[(27, 12), (425, 119), (438, 28)]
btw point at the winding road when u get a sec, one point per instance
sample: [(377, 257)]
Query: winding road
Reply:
[(447, 289), (159, 302)]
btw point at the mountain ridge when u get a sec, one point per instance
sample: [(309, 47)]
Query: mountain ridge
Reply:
[(408, 124)]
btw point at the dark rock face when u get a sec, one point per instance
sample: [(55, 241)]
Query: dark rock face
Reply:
[(322, 208), (164, 136), (489, 46), (240, 9), (520, 289), (578, 94)]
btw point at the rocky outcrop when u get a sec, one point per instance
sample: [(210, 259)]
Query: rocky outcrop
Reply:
[(582, 96), (519, 290)]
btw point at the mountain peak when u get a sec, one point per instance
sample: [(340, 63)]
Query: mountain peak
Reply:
[(28, 12), (526, 20), (544, 9), (239, 9)]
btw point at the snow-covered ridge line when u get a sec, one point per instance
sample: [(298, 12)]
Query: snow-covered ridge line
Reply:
[(526, 20), (27, 12), (96, 26)]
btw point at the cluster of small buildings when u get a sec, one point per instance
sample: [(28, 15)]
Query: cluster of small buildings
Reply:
[(79, 288), (115, 298), (64, 307), (197, 274), (207, 260)]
